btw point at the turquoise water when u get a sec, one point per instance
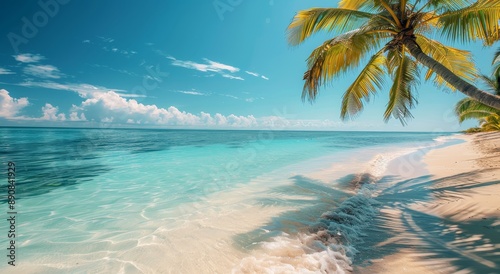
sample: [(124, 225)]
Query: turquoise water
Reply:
[(111, 200)]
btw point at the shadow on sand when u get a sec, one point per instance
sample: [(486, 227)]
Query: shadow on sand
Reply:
[(439, 243)]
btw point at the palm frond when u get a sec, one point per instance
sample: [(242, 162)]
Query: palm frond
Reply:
[(366, 5), (496, 66), (491, 83), (356, 4), (308, 22), (469, 108), (424, 22), (457, 61), (491, 123), (337, 56), (477, 21), (401, 99), (447, 5), (368, 81)]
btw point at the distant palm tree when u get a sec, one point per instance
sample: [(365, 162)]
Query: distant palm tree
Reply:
[(468, 108), (395, 33), (491, 123)]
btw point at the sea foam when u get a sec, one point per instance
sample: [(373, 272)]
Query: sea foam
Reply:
[(327, 246)]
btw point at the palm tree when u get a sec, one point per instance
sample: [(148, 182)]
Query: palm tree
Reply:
[(491, 123), (396, 33), (469, 108)]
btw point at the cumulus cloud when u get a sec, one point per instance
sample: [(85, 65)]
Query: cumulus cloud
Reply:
[(104, 105), (110, 104), (74, 117), (10, 107), (111, 107), (28, 58), (50, 113), (43, 71)]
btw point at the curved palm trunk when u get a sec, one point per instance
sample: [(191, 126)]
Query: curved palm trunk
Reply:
[(457, 82)]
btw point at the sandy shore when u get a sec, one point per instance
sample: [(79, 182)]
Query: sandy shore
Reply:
[(445, 222)]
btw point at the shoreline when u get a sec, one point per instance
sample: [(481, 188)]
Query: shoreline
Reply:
[(449, 222)]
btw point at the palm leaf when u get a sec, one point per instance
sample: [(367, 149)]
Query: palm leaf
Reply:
[(457, 61), (425, 22), (336, 56), (491, 83), (491, 123), (367, 4), (469, 108), (367, 82), (477, 21), (447, 5), (309, 22), (355, 4), (496, 67), (401, 98)]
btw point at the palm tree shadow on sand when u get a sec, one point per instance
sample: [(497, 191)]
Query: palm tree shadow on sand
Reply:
[(440, 243)]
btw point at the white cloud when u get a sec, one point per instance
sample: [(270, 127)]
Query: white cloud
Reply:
[(28, 58), (191, 92), (84, 90), (208, 66), (231, 96), (257, 75), (111, 107), (110, 104), (50, 113), (6, 71), (109, 120), (228, 121), (126, 95), (86, 41), (106, 39), (73, 116), (43, 71), (232, 77), (10, 107), (252, 73), (104, 105)]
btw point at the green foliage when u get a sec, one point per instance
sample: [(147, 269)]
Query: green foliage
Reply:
[(373, 34), (468, 108)]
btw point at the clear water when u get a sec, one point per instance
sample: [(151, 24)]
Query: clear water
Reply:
[(122, 200)]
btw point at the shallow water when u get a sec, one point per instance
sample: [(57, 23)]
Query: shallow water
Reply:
[(184, 201)]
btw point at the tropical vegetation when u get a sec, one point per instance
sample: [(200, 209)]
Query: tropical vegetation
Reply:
[(394, 38), (468, 108)]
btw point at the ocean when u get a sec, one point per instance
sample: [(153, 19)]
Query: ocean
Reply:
[(198, 201)]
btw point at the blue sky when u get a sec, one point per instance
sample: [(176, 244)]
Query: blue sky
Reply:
[(180, 64)]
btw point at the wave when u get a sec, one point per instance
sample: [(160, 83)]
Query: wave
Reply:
[(328, 246)]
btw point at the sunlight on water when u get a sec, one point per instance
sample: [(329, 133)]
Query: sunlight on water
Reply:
[(153, 200)]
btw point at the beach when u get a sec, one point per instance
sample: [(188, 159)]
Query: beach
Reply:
[(149, 201), (454, 226)]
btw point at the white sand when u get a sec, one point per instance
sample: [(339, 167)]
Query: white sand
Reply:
[(465, 199)]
